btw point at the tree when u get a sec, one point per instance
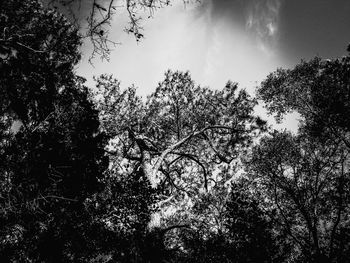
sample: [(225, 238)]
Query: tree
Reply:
[(180, 134), (52, 156), (307, 184), (315, 178), (249, 229), (121, 213), (245, 233), (179, 139), (318, 90)]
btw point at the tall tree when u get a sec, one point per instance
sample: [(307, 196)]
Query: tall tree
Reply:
[(318, 90), (180, 134), (245, 231), (121, 214), (311, 169), (51, 154), (249, 230), (307, 184)]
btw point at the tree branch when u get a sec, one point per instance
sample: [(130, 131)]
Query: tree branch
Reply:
[(193, 158), (181, 142)]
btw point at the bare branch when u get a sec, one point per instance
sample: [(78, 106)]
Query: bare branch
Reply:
[(181, 142)]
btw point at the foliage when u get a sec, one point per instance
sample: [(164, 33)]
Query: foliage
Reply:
[(306, 176), (122, 212), (249, 229), (179, 138), (179, 125), (51, 153), (245, 234), (307, 184), (318, 90)]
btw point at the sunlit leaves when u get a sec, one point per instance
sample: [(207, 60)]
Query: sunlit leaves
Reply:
[(318, 90), (180, 129)]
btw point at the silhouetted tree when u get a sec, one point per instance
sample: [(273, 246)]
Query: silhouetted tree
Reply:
[(307, 175), (318, 90), (307, 184), (52, 156), (246, 233), (249, 229)]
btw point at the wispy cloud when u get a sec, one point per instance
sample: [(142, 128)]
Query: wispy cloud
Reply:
[(258, 18), (262, 19)]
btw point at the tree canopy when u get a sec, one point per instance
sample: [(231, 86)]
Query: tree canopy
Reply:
[(318, 90), (306, 185), (305, 176), (180, 134), (188, 174), (51, 153)]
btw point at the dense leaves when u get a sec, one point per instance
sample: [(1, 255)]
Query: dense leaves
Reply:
[(249, 230), (180, 125), (121, 213), (308, 185), (245, 233), (51, 154), (305, 176), (318, 90)]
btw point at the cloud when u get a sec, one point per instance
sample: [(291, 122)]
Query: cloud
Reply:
[(263, 20), (259, 18)]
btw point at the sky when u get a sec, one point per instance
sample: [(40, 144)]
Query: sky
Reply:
[(220, 40)]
